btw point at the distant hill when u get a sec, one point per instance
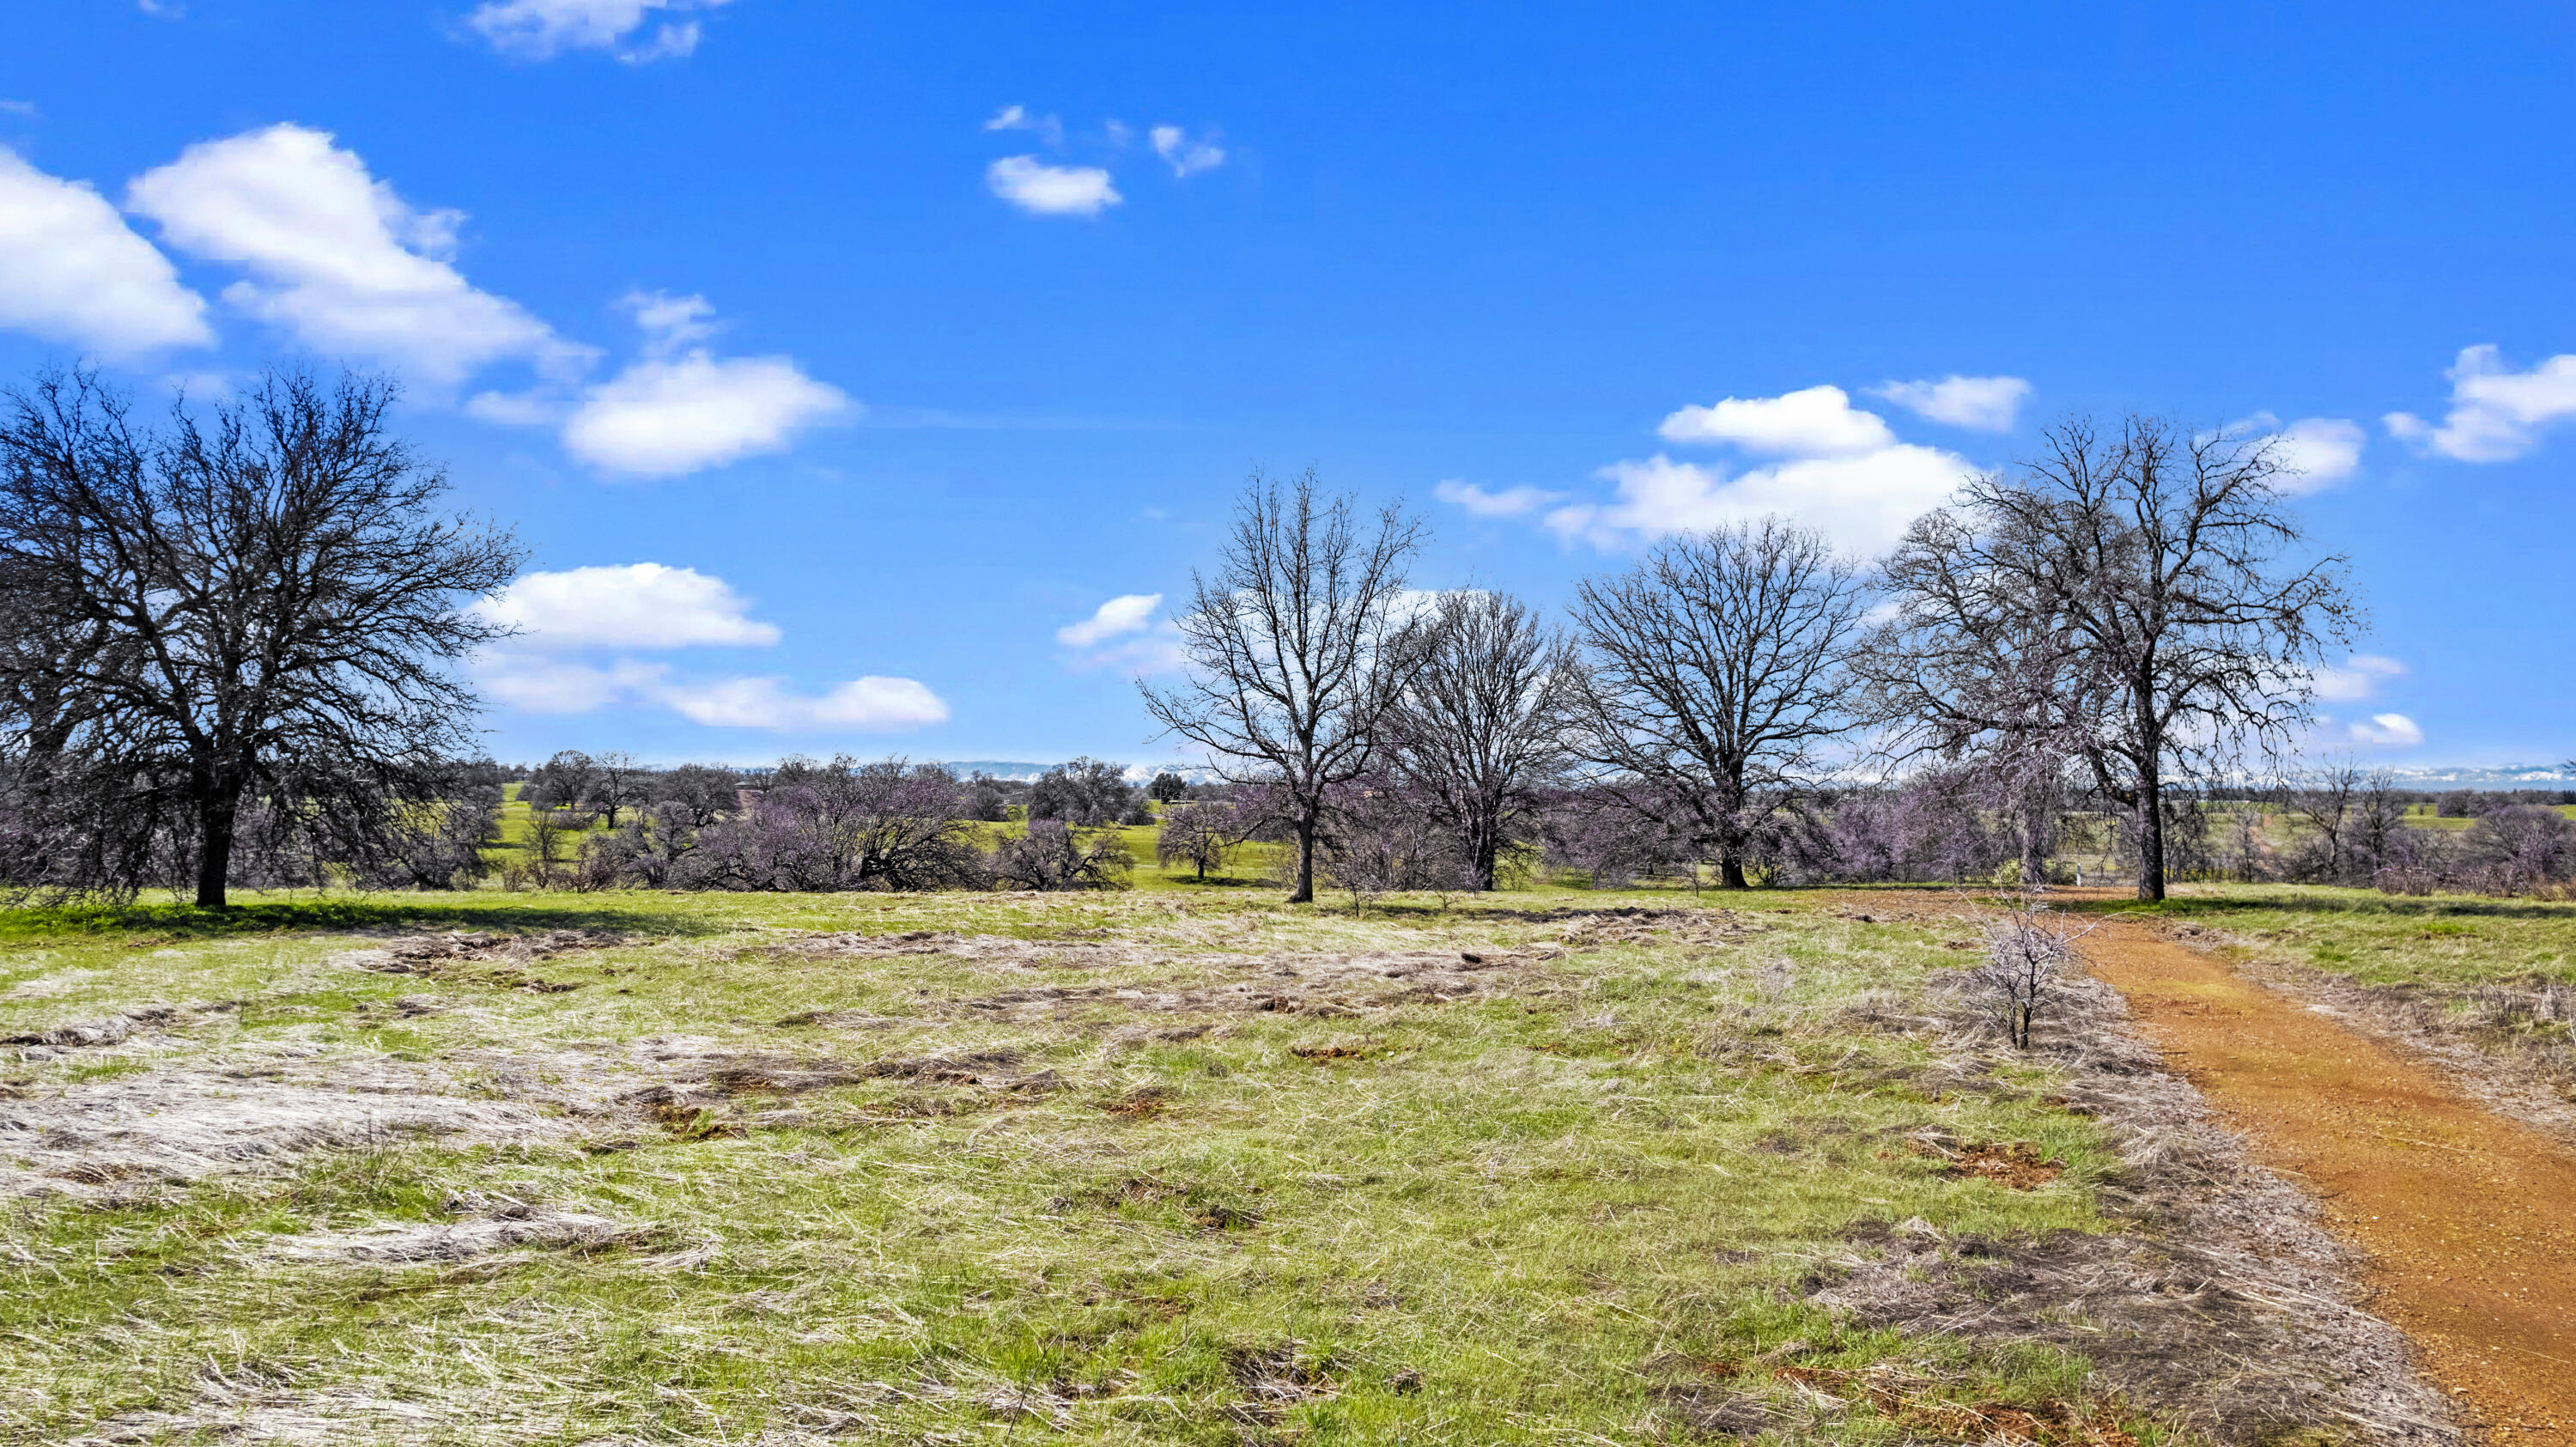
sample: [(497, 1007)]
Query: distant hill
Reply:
[(2510, 776)]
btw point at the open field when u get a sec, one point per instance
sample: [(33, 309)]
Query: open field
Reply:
[(1150, 1167)]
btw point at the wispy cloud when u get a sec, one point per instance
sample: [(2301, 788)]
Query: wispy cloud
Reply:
[(1185, 156), (544, 29), (2391, 730), (1123, 633), (1979, 404), (2357, 679), (1510, 502), (2497, 414)]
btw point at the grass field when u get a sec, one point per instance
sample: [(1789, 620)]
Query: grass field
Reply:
[(1513, 1203), (1174, 1165)]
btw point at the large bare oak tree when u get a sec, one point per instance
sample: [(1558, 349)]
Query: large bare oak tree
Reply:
[(1711, 673), (2130, 596), (257, 603), (1298, 646), (1475, 734)]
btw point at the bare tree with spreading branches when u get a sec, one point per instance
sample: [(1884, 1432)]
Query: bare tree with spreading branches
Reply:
[(2142, 571), (1298, 647), (1203, 834), (1475, 736), (258, 604), (1710, 673)]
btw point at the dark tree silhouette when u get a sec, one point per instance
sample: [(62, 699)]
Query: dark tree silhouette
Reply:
[(1709, 675), (257, 603), (1298, 646), (2124, 594)]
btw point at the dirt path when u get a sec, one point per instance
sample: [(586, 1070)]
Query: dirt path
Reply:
[(2468, 1219)]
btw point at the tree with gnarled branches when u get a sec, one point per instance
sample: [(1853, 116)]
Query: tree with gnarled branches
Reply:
[(257, 604), (2123, 594), (1476, 736), (1710, 674), (1298, 646)]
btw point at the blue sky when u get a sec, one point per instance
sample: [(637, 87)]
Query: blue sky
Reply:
[(856, 372)]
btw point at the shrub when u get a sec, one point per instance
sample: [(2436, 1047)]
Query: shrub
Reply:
[(841, 825), (1053, 856)]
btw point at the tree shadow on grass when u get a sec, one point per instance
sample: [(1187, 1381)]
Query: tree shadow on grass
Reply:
[(391, 913)]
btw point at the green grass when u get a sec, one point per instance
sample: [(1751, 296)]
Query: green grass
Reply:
[(1488, 1224), (2439, 941)]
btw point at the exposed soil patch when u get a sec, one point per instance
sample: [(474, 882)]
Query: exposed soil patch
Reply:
[(1333, 1052), (2468, 1219), (2018, 1166)]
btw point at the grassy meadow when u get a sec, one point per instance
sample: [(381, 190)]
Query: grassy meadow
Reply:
[(1150, 1167), (1175, 1164)]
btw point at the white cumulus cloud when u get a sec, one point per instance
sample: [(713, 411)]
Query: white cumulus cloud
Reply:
[(1510, 502), (71, 271), (1979, 404), (1811, 422), (1127, 613), (663, 417), (1185, 156), (867, 705), (2392, 729), (2314, 452), (637, 605), (336, 258), (2497, 414), (2358, 679), (1044, 190), (542, 29), (1861, 502)]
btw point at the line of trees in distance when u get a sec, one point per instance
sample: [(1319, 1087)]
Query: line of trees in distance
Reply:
[(230, 641)]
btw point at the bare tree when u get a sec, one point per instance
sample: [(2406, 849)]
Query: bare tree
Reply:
[(1054, 855), (261, 605), (2026, 951), (1202, 834), (1475, 736), (618, 783), (1298, 646), (2125, 595), (1710, 674)]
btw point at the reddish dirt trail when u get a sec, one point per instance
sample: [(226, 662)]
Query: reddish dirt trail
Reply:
[(2468, 1219)]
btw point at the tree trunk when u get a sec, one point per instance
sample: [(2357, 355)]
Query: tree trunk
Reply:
[(2151, 835), (218, 807), (1305, 861), (1730, 872)]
